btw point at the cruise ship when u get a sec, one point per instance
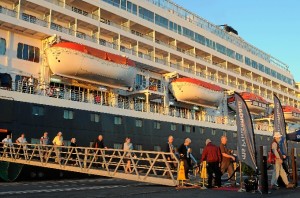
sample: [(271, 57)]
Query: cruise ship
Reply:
[(144, 69)]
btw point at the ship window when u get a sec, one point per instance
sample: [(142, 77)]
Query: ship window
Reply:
[(138, 147), (188, 129), (221, 48), (201, 150), (95, 117), (248, 61), (234, 134), (68, 115), (146, 14), (113, 2), (2, 46), (156, 125), (35, 141), (161, 21), (118, 146), (188, 33), (254, 64), (157, 148), (37, 111), (27, 52), (202, 130), (117, 120), (140, 82), (138, 123), (213, 131), (239, 57), (123, 4), (173, 127), (261, 67), (131, 7), (200, 39)]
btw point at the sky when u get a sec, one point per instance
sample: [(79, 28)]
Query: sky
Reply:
[(270, 25)]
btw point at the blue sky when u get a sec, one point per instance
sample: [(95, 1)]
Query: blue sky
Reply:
[(271, 25)]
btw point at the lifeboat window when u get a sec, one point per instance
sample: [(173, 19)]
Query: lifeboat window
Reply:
[(117, 146), (157, 148), (38, 110), (95, 117), (117, 120), (156, 125), (138, 123), (68, 115), (2, 46), (173, 127)]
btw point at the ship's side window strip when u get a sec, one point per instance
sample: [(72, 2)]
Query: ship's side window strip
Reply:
[(68, 115), (117, 120), (28, 52), (2, 46), (37, 110)]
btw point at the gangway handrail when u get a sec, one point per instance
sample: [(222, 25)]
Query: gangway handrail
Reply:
[(147, 166)]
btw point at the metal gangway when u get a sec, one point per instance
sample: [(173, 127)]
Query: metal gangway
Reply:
[(147, 166)]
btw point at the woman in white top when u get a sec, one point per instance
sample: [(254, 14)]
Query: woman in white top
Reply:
[(127, 147)]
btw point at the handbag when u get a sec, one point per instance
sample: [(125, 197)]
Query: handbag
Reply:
[(271, 157)]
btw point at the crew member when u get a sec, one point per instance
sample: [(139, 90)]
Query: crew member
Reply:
[(227, 159)]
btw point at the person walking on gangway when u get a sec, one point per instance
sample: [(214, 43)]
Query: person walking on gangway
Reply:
[(184, 153), (58, 141)]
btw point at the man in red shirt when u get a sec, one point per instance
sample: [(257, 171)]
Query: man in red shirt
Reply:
[(212, 155)]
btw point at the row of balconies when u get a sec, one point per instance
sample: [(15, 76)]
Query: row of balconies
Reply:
[(158, 60)]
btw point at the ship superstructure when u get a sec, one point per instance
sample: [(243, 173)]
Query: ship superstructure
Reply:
[(145, 69)]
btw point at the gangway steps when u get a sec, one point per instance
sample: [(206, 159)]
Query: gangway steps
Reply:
[(147, 166)]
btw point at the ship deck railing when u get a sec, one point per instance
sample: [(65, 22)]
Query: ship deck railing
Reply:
[(100, 98), (146, 166)]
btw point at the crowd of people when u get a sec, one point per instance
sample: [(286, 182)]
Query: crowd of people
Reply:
[(219, 160)]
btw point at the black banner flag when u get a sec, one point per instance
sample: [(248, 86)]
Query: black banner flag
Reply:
[(245, 134), (279, 122)]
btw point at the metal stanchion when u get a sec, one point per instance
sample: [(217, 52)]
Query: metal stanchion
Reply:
[(294, 166), (263, 170)]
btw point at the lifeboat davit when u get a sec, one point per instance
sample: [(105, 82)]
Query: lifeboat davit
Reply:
[(255, 103), (85, 63), (196, 92), (291, 114)]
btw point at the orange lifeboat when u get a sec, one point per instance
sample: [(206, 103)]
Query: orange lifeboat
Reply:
[(255, 103), (196, 92), (86, 63), (291, 114)]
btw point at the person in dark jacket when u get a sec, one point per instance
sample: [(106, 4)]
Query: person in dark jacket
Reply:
[(184, 153), (73, 154), (99, 144), (212, 155), (170, 149)]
